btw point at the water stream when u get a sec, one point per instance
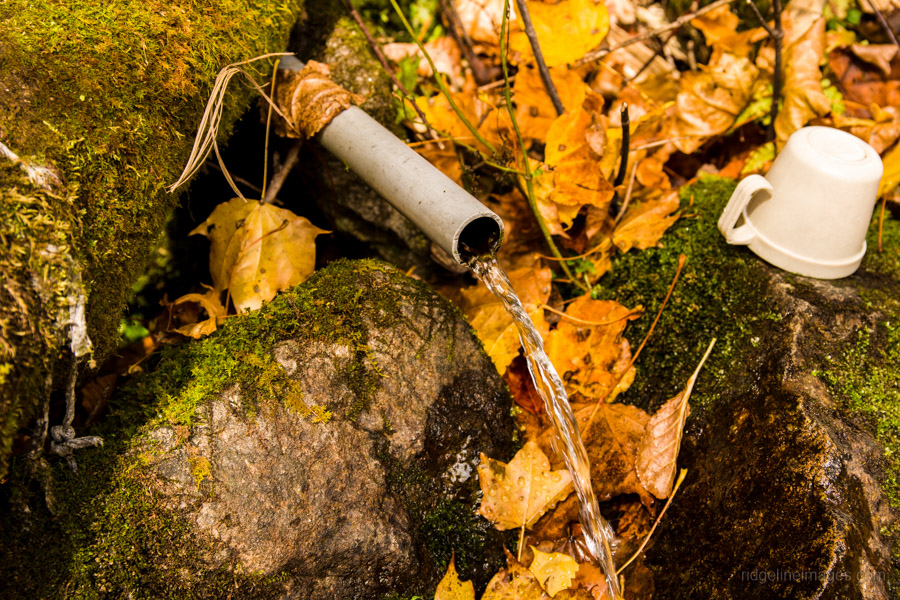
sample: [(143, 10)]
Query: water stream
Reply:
[(597, 532)]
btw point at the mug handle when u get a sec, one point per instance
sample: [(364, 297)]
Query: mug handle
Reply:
[(742, 194)]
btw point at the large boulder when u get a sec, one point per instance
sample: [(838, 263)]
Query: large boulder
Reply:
[(792, 440), (219, 477), (98, 109)]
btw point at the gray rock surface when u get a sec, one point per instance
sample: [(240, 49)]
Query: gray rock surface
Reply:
[(371, 502)]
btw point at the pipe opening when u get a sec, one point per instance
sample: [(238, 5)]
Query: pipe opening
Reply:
[(479, 237)]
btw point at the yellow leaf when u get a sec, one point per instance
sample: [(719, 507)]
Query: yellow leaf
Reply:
[(643, 225), (534, 109), (658, 452), (215, 311), (518, 493), (588, 348), (494, 325), (717, 24), (515, 582), (258, 250), (891, 176), (566, 30), (804, 98), (554, 571), (451, 588)]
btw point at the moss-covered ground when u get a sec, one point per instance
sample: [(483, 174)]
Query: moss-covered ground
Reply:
[(721, 294), (108, 95)]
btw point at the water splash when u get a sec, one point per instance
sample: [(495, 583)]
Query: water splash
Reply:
[(597, 532)]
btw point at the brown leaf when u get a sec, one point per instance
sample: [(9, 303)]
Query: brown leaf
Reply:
[(444, 52), (521, 387), (309, 99), (644, 224), (258, 250), (803, 96), (859, 82), (515, 582), (658, 451), (878, 55), (710, 99), (518, 493), (451, 588)]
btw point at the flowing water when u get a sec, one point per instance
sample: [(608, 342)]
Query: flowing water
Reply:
[(597, 532)]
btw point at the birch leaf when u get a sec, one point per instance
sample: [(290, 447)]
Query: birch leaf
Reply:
[(554, 571), (258, 250), (451, 588), (658, 451), (518, 493)]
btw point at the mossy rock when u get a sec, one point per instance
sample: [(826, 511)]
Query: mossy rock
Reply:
[(219, 476), (98, 109), (792, 439)]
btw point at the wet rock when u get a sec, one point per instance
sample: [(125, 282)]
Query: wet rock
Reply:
[(260, 499), (790, 490)]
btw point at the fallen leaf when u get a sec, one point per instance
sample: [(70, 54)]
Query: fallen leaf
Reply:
[(310, 99), (444, 52), (644, 224), (515, 582), (588, 348), (803, 95), (257, 250), (518, 378), (481, 19), (554, 571), (891, 176), (566, 30), (534, 109), (518, 493), (494, 326), (211, 303), (878, 55), (658, 451), (862, 83), (710, 99), (451, 588), (717, 24)]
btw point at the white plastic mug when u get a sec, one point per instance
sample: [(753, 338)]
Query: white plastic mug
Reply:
[(810, 213)]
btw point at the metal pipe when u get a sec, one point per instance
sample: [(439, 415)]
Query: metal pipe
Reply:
[(445, 212)]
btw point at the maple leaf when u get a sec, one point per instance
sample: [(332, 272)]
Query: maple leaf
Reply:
[(515, 582), (566, 30), (644, 224), (257, 250), (588, 349), (494, 326), (211, 303), (658, 452), (518, 493), (310, 100), (451, 588), (554, 571)]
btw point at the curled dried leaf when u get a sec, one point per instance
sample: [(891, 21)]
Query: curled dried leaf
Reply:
[(310, 99)]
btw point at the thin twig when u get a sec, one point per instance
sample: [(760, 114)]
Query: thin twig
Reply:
[(290, 161), (681, 475), (777, 35), (440, 81), (626, 143), (483, 74), (539, 56), (387, 67), (589, 323), (884, 23), (528, 192), (268, 127), (676, 24), (627, 197)]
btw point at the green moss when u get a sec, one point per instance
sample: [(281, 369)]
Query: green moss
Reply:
[(719, 294), (108, 95), (200, 469)]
